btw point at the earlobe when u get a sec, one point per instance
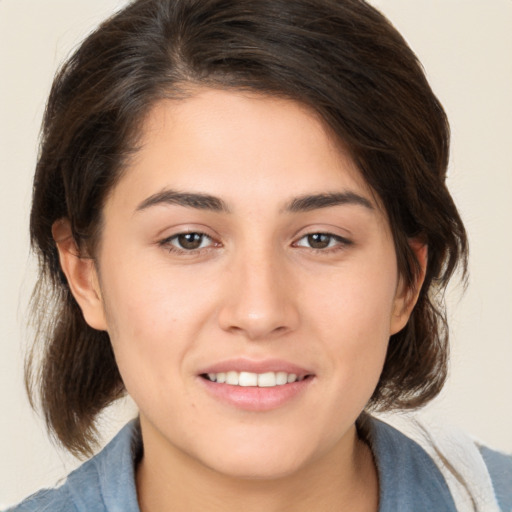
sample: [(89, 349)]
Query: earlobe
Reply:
[(81, 275), (407, 296)]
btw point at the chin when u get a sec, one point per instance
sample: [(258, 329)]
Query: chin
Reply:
[(259, 457), (262, 467)]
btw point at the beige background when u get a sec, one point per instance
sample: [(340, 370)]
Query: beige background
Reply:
[(466, 48)]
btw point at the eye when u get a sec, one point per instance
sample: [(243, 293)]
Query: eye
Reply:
[(185, 242), (321, 241)]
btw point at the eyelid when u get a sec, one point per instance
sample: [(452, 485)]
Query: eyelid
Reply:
[(169, 246), (341, 241)]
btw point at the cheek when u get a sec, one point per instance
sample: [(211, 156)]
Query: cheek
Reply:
[(153, 317), (358, 304), (149, 299), (354, 313)]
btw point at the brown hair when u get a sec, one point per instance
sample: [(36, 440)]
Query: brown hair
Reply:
[(343, 59)]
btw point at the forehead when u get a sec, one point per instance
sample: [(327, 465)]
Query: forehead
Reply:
[(239, 145)]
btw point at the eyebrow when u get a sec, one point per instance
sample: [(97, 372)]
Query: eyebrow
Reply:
[(307, 203), (188, 199), (303, 203)]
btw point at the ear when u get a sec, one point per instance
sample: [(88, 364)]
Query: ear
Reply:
[(407, 296), (81, 275)]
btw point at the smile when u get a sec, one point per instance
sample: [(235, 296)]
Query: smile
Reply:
[(249, 379)]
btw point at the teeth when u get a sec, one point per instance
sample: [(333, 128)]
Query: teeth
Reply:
[(281, 378), (262, 380), (247, 379), (232, 378), (267, 380)]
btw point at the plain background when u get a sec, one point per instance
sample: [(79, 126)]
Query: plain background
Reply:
[(466, 49)]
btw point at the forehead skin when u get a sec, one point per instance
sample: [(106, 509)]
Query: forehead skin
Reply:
[(314, 133)]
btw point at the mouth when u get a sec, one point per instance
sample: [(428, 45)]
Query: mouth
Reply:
[(256, 386), (250, 379)]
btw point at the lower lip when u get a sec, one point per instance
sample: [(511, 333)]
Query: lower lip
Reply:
[(252, 398)]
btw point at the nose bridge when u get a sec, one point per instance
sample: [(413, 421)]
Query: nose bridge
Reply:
[(259, 302)]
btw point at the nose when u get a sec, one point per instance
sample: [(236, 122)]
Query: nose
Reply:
[(260, 301)]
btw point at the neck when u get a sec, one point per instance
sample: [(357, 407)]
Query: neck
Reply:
[(343, 479)]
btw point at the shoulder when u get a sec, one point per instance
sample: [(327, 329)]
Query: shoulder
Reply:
[(427, 456), (54, 500), (409, 478), (103, 483), (500, 471)]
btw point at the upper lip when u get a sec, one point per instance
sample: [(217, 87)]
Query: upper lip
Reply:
[(256, 366)]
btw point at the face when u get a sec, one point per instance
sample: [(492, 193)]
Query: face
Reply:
[(248, 281)]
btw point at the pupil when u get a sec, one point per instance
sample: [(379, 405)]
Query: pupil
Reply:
[(190, 240), (319, 241)]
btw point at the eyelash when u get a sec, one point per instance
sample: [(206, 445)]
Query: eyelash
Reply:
[(168, 243), (340, 242), (335, 243)]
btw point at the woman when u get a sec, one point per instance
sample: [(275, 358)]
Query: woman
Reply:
[(240, 209)]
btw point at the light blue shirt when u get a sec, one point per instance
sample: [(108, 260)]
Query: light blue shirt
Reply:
[(408, 478)]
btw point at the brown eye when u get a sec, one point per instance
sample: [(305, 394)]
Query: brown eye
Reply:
[(322, 241), (190, 241), (319, 240)]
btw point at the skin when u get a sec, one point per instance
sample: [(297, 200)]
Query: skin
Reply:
[(254, 289)]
